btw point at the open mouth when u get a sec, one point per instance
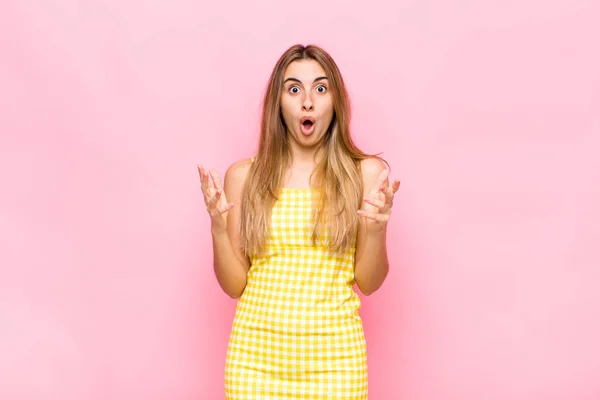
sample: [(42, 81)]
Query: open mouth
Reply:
[(308, 125)]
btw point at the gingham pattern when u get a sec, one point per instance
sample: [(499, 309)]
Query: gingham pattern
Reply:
[(297, 333)]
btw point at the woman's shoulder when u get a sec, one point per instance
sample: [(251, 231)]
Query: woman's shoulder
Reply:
[(237, 172), (372, 167), (241, 165)]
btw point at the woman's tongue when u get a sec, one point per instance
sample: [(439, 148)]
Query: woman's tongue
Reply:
[(307, 127)]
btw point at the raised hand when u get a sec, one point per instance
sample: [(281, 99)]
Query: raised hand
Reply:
[(377, 206), (214, 197)]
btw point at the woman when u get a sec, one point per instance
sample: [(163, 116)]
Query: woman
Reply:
[(294, 229)]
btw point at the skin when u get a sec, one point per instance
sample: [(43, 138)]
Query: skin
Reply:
[(305, 93), (372, 266)]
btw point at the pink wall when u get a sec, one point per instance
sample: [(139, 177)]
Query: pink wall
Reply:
[(489, 113)]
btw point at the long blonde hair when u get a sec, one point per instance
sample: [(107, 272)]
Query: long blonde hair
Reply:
[(337, 173)]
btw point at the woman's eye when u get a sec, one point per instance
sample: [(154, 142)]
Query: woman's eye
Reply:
[(294, 89), (321, 89)]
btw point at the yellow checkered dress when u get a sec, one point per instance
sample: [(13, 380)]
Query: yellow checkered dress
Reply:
[(297, 333)]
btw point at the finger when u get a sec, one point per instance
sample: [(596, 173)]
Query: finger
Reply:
[(216, 179), (214, 199), (204, 180), (374, 216), (214, 211), (382, 178), (389, 195), (228, 207), (379, 182), (396, 185), (200, 172), (375, 202), (390, 191)]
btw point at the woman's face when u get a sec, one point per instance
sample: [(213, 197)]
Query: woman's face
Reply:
[(306, 102)]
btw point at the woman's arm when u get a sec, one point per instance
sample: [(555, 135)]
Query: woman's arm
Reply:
[(230, 264), (372, 265)]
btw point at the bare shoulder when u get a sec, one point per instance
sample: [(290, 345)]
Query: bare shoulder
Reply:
[(235, 176), (371, 168)]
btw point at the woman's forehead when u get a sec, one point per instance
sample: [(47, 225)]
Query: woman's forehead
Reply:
[(304, 70)]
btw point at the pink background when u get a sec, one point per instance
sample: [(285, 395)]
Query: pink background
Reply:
[(488, 111)]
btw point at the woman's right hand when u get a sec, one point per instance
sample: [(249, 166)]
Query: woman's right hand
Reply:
[(214, 197)]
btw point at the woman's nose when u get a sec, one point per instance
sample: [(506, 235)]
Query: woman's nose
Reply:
[(307, 104)]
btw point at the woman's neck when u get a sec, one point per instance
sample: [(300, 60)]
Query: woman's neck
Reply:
[(303, 158)]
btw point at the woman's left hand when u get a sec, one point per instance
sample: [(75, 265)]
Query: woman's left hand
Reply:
[(377, 205)]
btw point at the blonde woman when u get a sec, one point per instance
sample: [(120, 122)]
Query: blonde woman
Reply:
[(294, 228)]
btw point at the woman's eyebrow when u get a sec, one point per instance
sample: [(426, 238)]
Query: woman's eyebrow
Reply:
[(320, 78)]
